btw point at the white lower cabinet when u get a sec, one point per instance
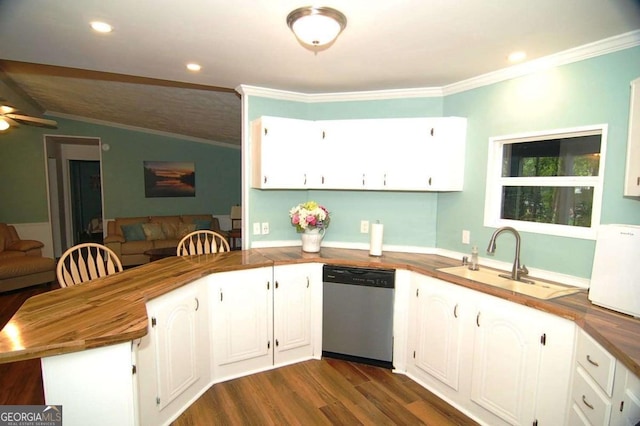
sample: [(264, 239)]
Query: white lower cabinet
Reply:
[(241, 328), (297, 320), (264, 317), (499, 362), (604, 391), (173, 358)]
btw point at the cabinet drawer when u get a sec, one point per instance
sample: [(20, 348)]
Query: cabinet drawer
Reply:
[(599, 363), (577, 417), (587, 395)]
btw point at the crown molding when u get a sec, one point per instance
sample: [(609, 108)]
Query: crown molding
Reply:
[(580, 53), (420, 92), (140, 129)]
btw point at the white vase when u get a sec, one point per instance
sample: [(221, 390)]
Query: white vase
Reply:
[(311, 239)]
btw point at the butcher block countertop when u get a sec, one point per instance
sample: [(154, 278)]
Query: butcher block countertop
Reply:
[(112, 309)]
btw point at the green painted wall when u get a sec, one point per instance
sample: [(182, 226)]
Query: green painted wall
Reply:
[(592, 91), (22, 172), (23, 191), (409, 217)]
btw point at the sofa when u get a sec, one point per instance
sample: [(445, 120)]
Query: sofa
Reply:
[(21, 261), (130, 237)]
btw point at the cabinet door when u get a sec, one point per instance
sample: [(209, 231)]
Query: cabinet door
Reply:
[(632, 181), (174, 325), (241, 322), (505, 364), (447, 152), (407, 157), (438, 326), (292, 313), (345, 144), (279, 147), (173, 358), (626, 398)]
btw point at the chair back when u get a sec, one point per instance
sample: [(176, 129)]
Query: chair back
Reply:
[(85, 262), (202, 242)]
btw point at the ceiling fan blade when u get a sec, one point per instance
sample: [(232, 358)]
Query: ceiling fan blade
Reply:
[(11, 122), (35, 121)]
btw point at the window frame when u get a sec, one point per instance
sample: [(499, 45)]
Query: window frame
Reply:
[(495, 182)]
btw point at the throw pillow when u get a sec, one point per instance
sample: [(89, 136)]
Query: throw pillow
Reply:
[(153, 231), (184, 229), (202, 224), (133, 232), (170, 230)]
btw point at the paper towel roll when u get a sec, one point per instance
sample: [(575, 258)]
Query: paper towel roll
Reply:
[(375, 246)]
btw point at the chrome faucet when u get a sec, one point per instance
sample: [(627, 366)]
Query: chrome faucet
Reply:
[(517, 271)]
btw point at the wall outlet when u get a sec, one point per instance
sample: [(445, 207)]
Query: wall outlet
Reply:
[(265, 228), (466, 237), (364, 226), (256, 228)]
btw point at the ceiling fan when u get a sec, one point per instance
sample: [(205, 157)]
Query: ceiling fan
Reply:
[(9, 118)]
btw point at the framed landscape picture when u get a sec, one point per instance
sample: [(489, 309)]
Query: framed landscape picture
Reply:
[(169, 179)]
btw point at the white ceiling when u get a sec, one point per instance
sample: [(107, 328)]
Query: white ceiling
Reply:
[(136, 75)]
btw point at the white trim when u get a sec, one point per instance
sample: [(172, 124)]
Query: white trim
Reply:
[(493, 197), (139, 129), (418, 92), (345, 245), (580, 53)]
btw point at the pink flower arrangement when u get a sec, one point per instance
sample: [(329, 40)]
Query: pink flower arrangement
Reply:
[(309, 215)]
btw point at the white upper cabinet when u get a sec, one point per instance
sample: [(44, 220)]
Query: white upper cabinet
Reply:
[(632, 181), (394, 154), (282, 149), (343, 144)]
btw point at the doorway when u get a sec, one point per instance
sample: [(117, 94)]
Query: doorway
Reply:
[(74, 190), (86, 201)]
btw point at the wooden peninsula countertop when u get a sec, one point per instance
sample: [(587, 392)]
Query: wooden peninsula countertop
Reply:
[(112, 309)]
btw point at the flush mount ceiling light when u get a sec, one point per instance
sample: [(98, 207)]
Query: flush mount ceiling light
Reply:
[(316, 26), (101, 27)]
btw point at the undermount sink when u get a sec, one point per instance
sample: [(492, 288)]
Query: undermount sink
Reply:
[(538, 289)]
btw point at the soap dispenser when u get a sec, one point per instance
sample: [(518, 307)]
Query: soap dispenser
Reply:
[(474, 259)]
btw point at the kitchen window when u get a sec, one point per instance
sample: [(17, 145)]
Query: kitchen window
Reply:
[(547, 182)]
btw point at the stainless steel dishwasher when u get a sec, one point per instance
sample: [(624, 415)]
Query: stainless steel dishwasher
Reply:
[(357, 314)]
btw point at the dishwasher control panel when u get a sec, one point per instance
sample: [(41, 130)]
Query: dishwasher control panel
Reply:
[(370, 277)]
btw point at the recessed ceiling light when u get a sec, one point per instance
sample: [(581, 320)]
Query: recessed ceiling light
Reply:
[(517, 56), (193, 67), (101, 27)]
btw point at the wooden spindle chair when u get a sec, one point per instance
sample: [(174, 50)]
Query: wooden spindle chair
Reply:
[(202, 242), (85, 262)]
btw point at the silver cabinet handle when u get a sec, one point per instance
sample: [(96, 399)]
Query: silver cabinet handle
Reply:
[(197, 304), (455, 311), (584, 401), (478, 319), (592, 362)]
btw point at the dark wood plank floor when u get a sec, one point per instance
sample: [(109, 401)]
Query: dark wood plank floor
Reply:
[(327, 392)]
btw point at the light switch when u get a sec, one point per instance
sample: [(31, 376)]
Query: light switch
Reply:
[(256, 228), (466, 237)]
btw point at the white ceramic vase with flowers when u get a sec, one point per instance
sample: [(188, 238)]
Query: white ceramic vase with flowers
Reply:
[(311, 220)]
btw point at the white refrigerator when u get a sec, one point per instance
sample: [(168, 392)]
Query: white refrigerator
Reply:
[(615, 278)]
